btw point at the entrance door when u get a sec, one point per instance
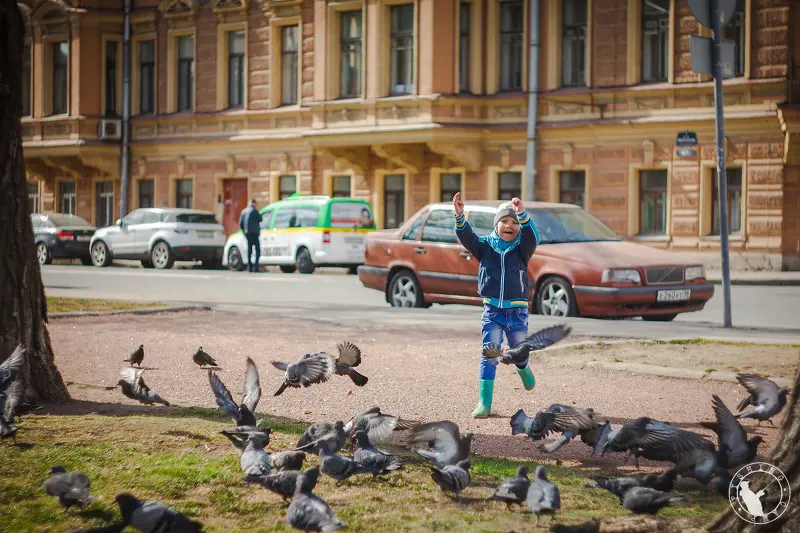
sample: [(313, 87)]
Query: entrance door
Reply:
[(234, 198)]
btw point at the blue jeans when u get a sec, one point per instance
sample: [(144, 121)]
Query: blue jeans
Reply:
[(495, 322)]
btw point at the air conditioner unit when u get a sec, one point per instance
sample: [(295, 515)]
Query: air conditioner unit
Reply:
[(109, 129)]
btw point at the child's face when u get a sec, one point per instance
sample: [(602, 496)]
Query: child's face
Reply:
[(508, 228)]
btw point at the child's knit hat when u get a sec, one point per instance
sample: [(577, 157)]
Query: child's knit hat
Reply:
[(505, 210)]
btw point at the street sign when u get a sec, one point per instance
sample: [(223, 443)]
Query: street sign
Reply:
[(686, 152), (686, 138), (701, 9), (700, 48)]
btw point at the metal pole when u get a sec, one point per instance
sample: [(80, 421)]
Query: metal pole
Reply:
[(126, 111), (533, 91), (722, 182)]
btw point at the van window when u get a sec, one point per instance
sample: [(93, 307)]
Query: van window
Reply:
[(283, 218), (440, 227), (266, 218), (349, 214), (306, 216)]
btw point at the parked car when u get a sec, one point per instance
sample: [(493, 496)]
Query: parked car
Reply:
[(61, 236), (303, 232), (581, 267), (159, 237)]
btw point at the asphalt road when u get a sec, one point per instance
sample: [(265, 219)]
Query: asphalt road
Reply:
[(762, 313)]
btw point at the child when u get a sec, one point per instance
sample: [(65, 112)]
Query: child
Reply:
[(503, 282)]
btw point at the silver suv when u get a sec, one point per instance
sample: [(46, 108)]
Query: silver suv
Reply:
[(159, 237)]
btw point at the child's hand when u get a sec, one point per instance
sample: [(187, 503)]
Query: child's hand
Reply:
[(458, 205), (518, 207)]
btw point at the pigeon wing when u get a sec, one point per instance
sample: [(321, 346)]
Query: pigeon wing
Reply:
[(9, 369), (492, 352), (317, 368), (445, 437), (730, 431), (380, 427), (757, 385), (252, 386), (547, 337), (279, 365), (349, 354), (223, 397), (570, 418)]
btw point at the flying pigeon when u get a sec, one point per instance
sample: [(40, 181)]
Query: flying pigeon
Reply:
[(538, 341), (617, 486), (556, 418), (452, 478), (513, 489), (656, 440), (766, 398), (646, 500), (202, 359), (134, 387), (71, 488), (244, 413), (239, 436), (309, 512), (339, 467), (150, 517), (322, 431), (286, 460), (320, 367), (136, 357), (368, 455), (255, 460), (543, 496), (734, 448), (379, 426), (449, 447), (284, 483)]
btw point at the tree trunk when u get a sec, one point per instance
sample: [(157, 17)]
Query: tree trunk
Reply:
[(23, 311), (786, 457)]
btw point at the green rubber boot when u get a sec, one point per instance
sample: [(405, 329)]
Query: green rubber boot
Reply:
[(485, 390), (526, 375)]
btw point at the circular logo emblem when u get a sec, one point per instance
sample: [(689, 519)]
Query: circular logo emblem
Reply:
[(759, 493)]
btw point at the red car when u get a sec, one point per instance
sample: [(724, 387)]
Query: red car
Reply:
[(580, 268)]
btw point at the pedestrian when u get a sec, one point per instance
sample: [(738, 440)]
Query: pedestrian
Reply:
[(250, 224), (503, 283)]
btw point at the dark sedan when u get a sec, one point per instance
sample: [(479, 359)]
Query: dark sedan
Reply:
[(60, 236)]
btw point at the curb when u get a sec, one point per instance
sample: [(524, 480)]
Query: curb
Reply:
[(680, 373), (773, 282), (142, 311)]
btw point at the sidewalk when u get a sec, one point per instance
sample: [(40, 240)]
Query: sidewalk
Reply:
[(765, 277)]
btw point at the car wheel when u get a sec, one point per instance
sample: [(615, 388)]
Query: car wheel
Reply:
[(161, 255), (235, 261), (404, 290), (147, 263), (660, 318), (288, 269), (43, 254), (86, 259), (305, 265), (101, 257), (556, 298)]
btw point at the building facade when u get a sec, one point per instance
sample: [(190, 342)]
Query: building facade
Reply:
[(405, 102)]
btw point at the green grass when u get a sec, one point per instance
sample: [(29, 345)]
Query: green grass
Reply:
[(177, 456), (57, 304)]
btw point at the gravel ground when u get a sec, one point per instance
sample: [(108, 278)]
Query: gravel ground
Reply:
[(417, 374)]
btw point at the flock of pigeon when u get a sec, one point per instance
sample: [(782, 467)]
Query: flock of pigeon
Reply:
[(440, 443)]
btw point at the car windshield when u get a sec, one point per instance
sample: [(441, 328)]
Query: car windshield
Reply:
[(196, 218), (62, 220), (555, 225)]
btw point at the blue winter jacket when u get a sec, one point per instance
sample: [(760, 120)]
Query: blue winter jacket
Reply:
[(250, 220), (503, 273)]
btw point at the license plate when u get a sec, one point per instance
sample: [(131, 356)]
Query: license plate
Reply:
[(83, 238), (353, 240), (679, 295), (205, 234)]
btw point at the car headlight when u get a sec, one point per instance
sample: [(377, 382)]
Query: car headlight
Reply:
[(695, 272), (621, 276)]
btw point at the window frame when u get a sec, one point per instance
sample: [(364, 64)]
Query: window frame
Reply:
[(500, 188), (400, 202), (520, 33), (358, 53), (116, 83), (36, 206), (177, 195), (280, 189), (653, 191), (716, 232), (54, 111), (572, 190), (173, 77), (293, 99), (410, 85), (563, 28), (139, 193), (448, 196), (186, 74), (643, 19), (241, 59), (73, 196), (464, 46), (136, 74), (334, 192), (97, 196), (730, 31)]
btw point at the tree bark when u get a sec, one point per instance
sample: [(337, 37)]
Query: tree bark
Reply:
[(23, 308)]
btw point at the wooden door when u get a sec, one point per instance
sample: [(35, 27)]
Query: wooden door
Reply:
[(234, 199)]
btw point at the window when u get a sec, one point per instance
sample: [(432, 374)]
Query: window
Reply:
[(734, 196), (111, 78), (402, 50), (653, 202), (482, 222), (735, 31), (236, 68), (572, 187), (137, 216), (289, 65), (185, 72), (287, 185), (33, 196), (283, 218), (341, 187), (26, 81), (147, 193), (394, 200), (150, 217), (573, 43), (350, 54), (439, 227), (306, 217), (66, 197), (464, 28), (60, 60), (104, 203), (509, 185), (147, 77), (655, 39), (511, 31), (183, 193), (450, 184)]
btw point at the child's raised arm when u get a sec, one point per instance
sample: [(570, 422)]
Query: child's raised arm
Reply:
[(464, 232), (529, 235)]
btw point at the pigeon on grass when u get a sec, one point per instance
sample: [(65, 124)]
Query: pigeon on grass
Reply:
[(452, 478), (339, 467), (538, 341), (255, 460), (370, 456), (238, 436), (203, 360), (379, 426), (70, 488), (243, 414), (334, 435), (136, 357), (284, 483), (286, 460), (765, 396), (617, 486), (543, 496), (309, 512), (151, 517), (448, 446), (646, 500), (134, 387), (734, 448), (513, 489)]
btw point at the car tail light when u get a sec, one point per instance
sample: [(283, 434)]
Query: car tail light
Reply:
[(64, 235), (326, 237)]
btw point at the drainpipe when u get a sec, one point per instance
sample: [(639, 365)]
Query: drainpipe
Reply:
[(126, 110), (533, 92)]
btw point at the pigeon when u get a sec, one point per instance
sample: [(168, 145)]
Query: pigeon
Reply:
[(134, 387), (10, 390), (320, 367), (596, 437), (244, 413), (284, 483), (238, 436), (556, 418), (71, 488), (734, 448), (722, 480), (202, 359), (656, 440), (8, 431), (766, 398), (378, 426), (700, 463), (646, 500), (513, 489), (151, 517), (349, 358), (339, 467), (286, 460), (543, 496), (617, 486), (334, 435), (309, 512), (368, 455), (452, 478), (449, 447), (255, 460), (538, 341), (136, 357)]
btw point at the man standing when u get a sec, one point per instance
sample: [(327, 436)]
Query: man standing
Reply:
[(250, 224)]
